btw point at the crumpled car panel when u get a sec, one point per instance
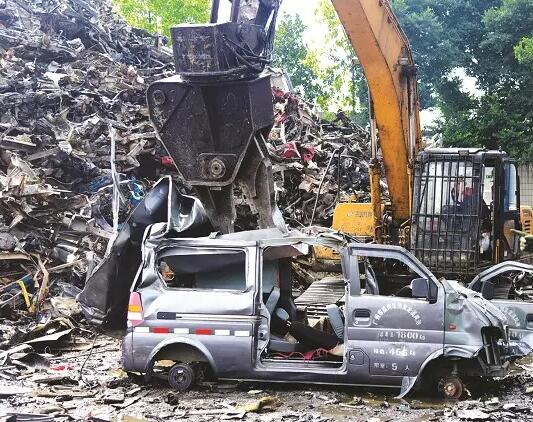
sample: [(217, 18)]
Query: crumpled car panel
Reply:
[(105, 296)]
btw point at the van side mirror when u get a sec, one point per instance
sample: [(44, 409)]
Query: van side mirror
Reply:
[(487, 290), (420, 288)]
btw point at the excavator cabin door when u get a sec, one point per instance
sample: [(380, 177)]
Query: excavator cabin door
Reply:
[(465, 203)]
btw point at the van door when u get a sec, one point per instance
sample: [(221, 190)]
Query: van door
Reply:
[(393, 334)]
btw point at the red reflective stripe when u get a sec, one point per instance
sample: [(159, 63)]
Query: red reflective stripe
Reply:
[(160, 330), (203, 332)]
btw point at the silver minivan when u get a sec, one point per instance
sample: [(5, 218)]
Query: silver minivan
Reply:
[(230, 307)]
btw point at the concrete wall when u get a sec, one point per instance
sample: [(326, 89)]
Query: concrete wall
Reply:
[(526, 184)]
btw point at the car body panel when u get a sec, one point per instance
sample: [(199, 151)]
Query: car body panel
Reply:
[(519, 313)]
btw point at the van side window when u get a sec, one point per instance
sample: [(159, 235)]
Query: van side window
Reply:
[(214, 270), (387, 277)]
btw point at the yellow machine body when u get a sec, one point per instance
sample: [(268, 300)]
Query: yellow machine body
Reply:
[(526, 218), (353, 218)]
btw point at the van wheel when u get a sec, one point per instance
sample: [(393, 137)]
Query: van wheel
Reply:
[(452, 387), (181, 377)]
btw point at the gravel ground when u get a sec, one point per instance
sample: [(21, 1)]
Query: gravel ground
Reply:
[(104, 392)]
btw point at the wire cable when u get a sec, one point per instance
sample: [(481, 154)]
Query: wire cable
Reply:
[(339, 151)]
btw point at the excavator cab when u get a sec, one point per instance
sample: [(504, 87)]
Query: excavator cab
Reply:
[(465, 206)]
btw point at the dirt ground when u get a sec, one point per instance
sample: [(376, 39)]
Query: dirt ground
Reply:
[(90, 385)]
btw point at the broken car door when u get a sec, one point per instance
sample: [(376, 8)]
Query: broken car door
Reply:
[(393, 335)]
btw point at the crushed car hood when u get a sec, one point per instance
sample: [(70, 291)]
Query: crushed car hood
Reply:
[(460, 297), (518, 312), (468, 313)]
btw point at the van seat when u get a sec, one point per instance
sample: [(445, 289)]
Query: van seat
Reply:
[(280, 345), (336, 319)]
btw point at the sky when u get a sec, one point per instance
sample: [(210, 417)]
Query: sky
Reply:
[(305, 8)]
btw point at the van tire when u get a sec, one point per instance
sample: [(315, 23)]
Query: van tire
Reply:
[(181, 377)]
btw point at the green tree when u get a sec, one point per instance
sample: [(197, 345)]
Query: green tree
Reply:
[(159, 15), (444, 35), (503, 116), (491, 40), (324, 72), (292, 54), (505, 29), (524, 51), (341, 76)]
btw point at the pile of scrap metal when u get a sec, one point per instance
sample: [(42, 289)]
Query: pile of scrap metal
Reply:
[(73, 79), (74, 124), (305, 150)]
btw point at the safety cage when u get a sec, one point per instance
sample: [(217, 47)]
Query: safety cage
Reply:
[(465, 203)]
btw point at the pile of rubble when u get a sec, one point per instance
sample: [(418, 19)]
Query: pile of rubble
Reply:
[(74, 123), (85, 382), (71, 74), (77, 154), (316, 158)]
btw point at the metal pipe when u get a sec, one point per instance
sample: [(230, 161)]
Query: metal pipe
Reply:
[(375, 195), (337, 151), (375, 174), (235, 9), (214, 11)]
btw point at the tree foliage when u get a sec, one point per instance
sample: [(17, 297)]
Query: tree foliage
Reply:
[(158, 16), (292, 54), (491, 41), (524, 51), (445, 35), (343, 79), (324, 72)]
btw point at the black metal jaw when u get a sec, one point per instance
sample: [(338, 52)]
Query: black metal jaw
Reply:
[(255, 180), (215, 135)]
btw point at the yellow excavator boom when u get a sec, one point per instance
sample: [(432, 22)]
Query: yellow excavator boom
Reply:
[(385, 56)]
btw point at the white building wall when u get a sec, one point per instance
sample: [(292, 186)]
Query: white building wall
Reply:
[(526, 184)]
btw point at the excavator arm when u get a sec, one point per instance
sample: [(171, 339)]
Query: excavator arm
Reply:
[(385, 56)]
